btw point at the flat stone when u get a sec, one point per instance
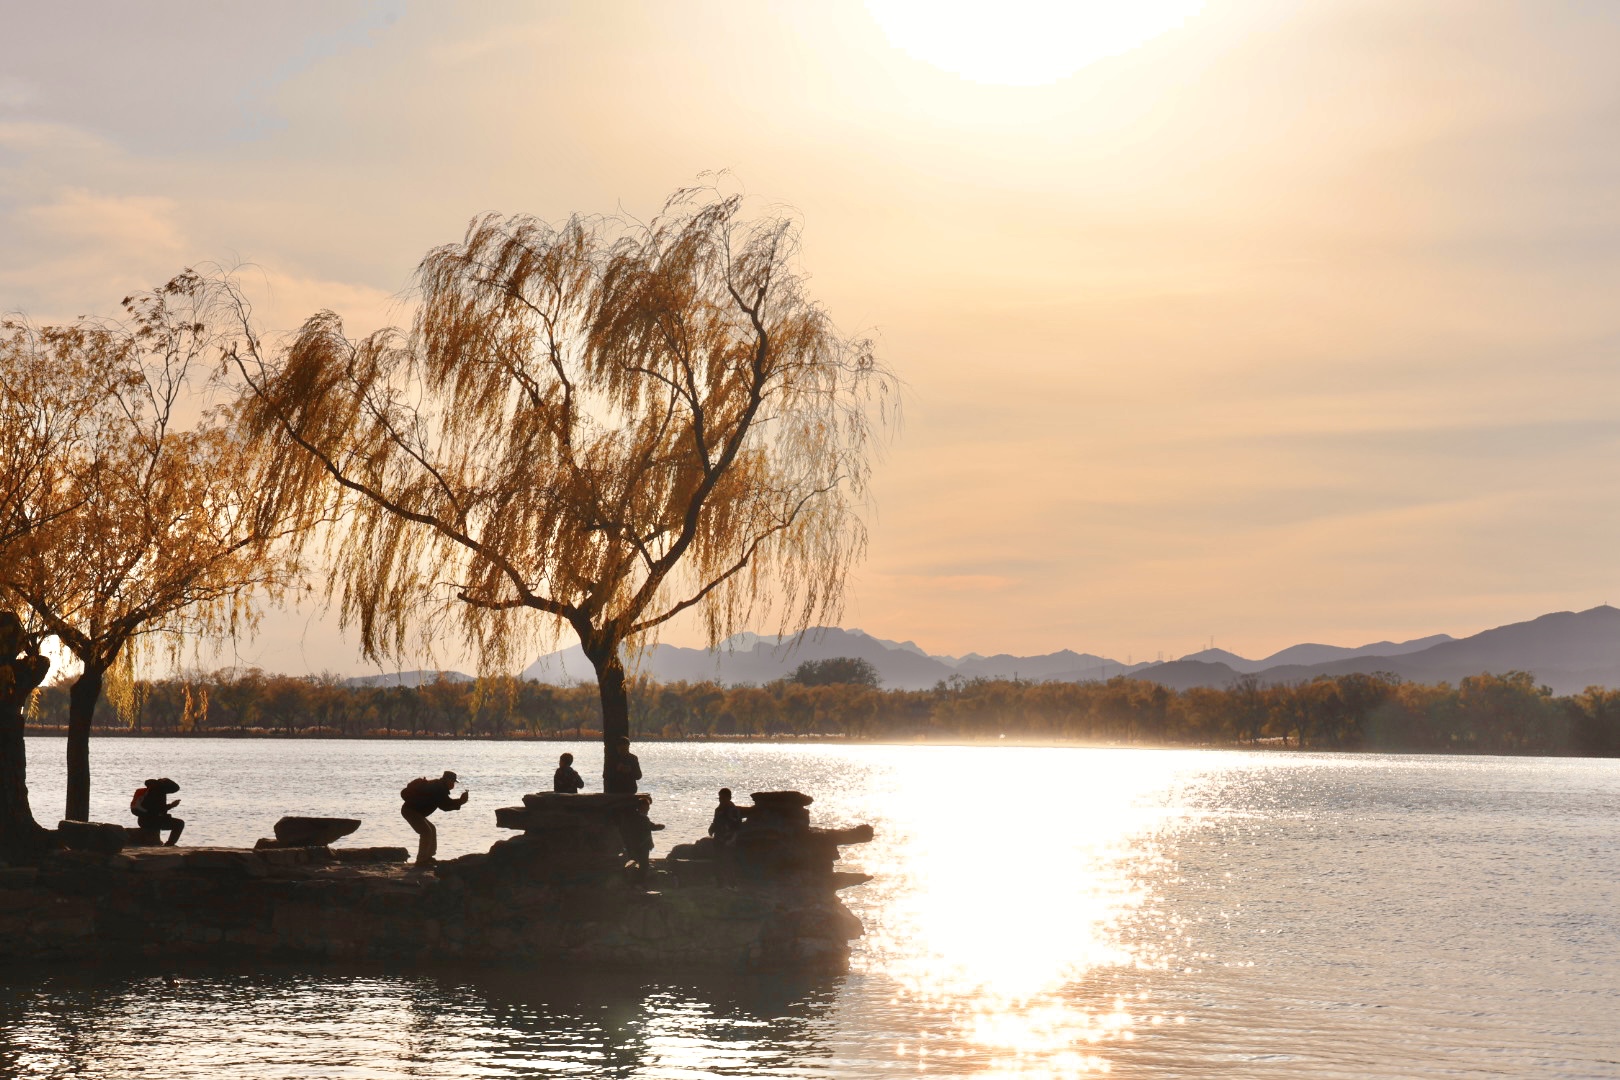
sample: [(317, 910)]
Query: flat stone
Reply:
[(585, 802), (295, 831), (773, 800), (94, 836), (238, 861), (512, 817), (302, 855), (370, 855), (152, 860)]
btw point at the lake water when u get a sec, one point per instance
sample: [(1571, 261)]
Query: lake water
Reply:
[(1035, 913)]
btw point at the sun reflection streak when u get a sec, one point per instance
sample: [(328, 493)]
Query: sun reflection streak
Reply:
[(1014, 953)]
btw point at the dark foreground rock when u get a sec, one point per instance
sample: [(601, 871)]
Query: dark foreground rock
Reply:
[(91, 836), (559, 895)]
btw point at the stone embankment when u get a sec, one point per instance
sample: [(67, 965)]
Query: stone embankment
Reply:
[(559, 895)]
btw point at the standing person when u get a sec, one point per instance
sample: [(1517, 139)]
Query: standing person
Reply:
[(565, 779), (421, 797), (624, 769), (151, 809)]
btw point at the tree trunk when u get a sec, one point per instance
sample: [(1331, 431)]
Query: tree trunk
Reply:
[(82, 698), (21, 838), (615, 716)]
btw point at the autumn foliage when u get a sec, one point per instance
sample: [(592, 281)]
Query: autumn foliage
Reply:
[(1487, 714), (591, 427)]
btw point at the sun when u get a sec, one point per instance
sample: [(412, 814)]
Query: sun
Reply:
[(1024, 42)]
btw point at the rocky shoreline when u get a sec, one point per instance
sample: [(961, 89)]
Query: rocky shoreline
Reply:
[(558, 895)]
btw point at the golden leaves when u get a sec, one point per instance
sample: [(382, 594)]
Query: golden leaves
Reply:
[(127, 524), (604, 421)]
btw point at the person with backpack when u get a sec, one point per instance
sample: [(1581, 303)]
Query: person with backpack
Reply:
[(421, 797), (151, 808)]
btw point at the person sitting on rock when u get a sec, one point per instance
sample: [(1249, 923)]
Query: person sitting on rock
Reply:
[(636, 831), (565, 779), (728, 819), (151, 809), (421, 797)]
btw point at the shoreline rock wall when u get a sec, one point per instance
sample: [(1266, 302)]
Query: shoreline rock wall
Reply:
[(558, 895)]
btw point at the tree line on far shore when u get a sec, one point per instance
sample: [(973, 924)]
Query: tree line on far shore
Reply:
[(1484, 714)]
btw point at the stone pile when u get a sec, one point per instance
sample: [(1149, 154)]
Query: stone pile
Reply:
[(571, 840), (776, 843)]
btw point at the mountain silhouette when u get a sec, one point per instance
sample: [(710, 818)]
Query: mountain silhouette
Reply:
[(1323, 654), (1565, 650), (407, 678), (751, 658)]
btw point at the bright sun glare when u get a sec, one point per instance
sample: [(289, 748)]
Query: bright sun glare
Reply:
[(1024, 42)]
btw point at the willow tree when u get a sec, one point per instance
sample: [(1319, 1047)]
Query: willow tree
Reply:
[(596, 426), (43, 400), (151, 530)]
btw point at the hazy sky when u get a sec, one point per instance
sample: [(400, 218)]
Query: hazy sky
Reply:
[(1299, 321)]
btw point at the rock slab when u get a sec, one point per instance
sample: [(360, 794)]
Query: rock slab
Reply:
[(95, 836), (294, 831)]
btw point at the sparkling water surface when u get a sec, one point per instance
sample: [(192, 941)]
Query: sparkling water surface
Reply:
[(1036, 912)]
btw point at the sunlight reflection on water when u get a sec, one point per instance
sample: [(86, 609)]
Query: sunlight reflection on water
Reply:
[(1002, 888), (1034, 913)]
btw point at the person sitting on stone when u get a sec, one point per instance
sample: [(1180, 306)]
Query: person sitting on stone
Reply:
[(636, 830), (728, 819), (151, 810), (624, 768), (565, 779), (421, 797)]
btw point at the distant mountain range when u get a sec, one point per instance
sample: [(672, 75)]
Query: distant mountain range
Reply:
[(407, 678), (1568, 651)]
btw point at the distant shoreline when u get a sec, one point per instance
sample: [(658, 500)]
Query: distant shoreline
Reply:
[(38, 732), (1268, 745)]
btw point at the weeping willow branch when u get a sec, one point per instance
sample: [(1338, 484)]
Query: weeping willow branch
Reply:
[(606, 422)]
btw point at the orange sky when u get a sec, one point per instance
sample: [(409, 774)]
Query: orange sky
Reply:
[(1296, 322)]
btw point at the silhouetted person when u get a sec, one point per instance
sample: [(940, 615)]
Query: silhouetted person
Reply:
[(152, 809), (565, 779), (728, 819), (625, 769), (636, 830), (421, 797), (727, 823)]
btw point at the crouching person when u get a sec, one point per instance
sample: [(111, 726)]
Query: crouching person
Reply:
[(636, 829), (151, 808), (421, 797)]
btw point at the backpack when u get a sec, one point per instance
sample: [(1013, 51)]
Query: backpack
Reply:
[(136, 800), (417, 790)]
